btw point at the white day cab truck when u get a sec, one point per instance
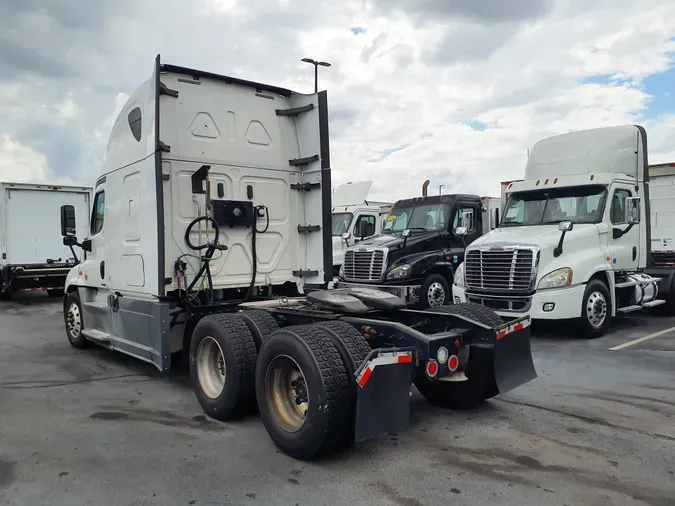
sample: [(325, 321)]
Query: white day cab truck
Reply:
[(575, 240), (33, 255), (211, 245), (355, 218)]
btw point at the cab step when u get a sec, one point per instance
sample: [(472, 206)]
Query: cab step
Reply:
[(97, 336)]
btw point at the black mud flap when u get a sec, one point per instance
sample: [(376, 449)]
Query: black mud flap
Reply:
[(513, 364), (383, 399)]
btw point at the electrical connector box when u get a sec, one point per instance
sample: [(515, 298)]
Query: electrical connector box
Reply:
[(233, 213)]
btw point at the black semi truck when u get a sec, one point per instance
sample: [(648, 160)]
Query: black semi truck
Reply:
[(419, 249)]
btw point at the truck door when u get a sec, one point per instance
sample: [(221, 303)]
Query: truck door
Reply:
[(624, 250), (474, 225), (364, 226)]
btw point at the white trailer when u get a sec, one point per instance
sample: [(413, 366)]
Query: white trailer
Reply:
[(33, 254), (355, 218)]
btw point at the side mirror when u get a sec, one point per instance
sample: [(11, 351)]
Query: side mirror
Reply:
[(632, 210), (86, 245), (461, 231), (565, 226), (69, 240), (494, 219), (68, 220), (466, 221), (406, 232), (346, 236)]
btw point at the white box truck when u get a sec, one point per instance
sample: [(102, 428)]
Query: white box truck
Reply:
[(355, 218), (33, 254), (577, 239), (210, 243)]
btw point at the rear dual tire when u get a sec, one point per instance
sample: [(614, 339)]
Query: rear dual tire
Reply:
[(480, 384), (222, 366), (303, 392), (300, 377)]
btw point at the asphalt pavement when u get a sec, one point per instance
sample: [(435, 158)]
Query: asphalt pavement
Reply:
[(597, 427)]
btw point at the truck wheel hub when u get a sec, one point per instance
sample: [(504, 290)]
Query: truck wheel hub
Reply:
[(436, 295), (287, 393), (211, 367), (596, 309), (74, 321)]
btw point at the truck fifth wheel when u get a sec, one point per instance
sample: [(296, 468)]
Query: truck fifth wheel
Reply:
[(211, 246)]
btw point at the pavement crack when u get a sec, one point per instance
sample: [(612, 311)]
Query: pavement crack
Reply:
[(20, 385), (591, 420)]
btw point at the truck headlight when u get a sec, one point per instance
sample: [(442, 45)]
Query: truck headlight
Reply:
[(400, 272), (459, 275), (556, 279), (341, 272)]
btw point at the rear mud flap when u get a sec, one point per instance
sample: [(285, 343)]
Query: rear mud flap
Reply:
[(383, 399), (513, 365)]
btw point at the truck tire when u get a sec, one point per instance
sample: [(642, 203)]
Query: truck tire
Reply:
[(435, 292), (260, 323), (302, 391), (222, 365), (353, 349), (480, 383), (72, 315), (596, 311)]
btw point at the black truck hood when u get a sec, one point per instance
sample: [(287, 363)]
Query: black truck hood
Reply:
[(393, 242)]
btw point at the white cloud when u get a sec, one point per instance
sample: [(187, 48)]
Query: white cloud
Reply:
[(416, 77), (19, 163)]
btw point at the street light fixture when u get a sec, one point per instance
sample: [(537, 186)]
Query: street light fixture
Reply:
[(316, 70)]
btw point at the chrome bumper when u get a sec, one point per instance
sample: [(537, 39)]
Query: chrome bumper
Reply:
[(409, 293)]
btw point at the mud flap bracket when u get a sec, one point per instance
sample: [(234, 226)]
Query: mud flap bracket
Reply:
[(383, 398)]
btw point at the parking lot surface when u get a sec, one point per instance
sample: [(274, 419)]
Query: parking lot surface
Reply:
[(95, 427)]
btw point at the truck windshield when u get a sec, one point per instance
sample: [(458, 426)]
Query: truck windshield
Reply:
[(341, 223), (421, 217), (578, 204)]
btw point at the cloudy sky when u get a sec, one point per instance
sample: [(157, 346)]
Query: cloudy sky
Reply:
[(450, 90)]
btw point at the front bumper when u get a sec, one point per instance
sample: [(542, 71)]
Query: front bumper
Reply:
[(553, 304), (409, 293)]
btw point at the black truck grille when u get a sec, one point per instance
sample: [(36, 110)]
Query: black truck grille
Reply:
[(366, 266), (507, 270)]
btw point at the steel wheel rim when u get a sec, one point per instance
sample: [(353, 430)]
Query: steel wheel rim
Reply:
[(596, 309), (287, 393), (436, 294), (211, 367), (74, 322)]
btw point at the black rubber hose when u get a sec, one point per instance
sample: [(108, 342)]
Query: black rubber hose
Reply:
[(210, 249), (189, 229), (255, 265), (255, 231)]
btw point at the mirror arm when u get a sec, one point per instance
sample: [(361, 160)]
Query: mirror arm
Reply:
[(617, 233), (557, 251), (72, 250)]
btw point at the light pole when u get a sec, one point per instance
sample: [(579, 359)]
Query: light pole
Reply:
[(316, 70), (439, 188)]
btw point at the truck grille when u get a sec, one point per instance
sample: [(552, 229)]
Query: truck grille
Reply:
[(505, 270), (367, 266)]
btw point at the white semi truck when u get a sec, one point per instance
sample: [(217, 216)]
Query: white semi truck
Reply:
[(577, 239), (355, 218), (211, 245), (33, 255)]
